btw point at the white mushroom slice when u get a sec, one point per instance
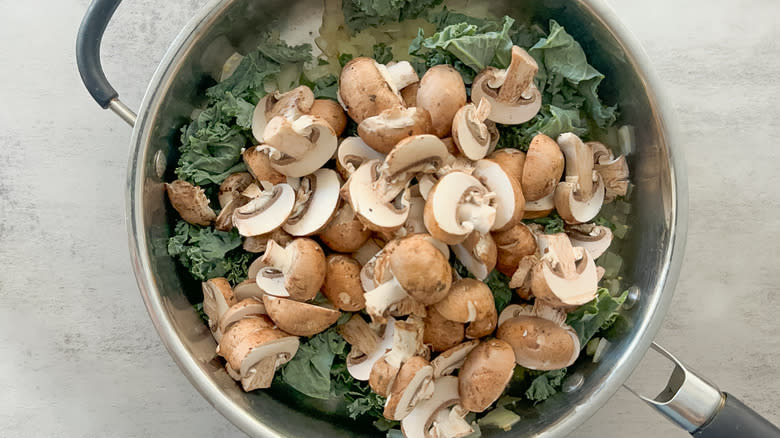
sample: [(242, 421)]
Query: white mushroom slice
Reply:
[(290, 105), (513, 97), (382, 132), (407, 342), (384, 210), (248, 289), (566, 276), (457, 205), (510, 202), (246, 307), (399, 74), (450, 360), (260, 364), (414, 155), (478, 253), (315, 203), (426, 183), (296, 271), (302, 146), (540, 208), (415, 222), (594, 238), (361, 369), (470, 132), (191, 202), (265, 213), (579, 197), (423, 421), (218, 298), (352, 153)]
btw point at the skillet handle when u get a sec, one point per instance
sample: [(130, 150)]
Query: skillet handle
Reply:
[(88, 42), (698, 406)]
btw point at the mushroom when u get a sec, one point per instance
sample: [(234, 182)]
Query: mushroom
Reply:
[(366, 88), (342, 283), (566, 276), (296, 271), (258, 244), (579, 198), (407, 342), (442, 93), (265, 213), (297, 318), (419, 270), (191, 202), (513, 97), (542, 169), (540, 337), (439, 416), (594, 238), (248, 307), (457, 205), (478, 254), (248, 289), (513, 244), (452, 359), (290, 105), (383, 131), (233, 186), (510, 202), (368, 250), (485, 374), (300, 147), (470, 301), (511, 160), (315, 203), (540, 208), (522, 278), (412, 156), (409, 94), (345, 233), (377, 210), (441, 333), (367, 347), (352, 153), (614, 171), (470, 132), (331, 112), (258, 163), (218, 298), (413, 384)]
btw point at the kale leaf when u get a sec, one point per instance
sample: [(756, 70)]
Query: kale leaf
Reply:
[(553, 223), (545, 385), (499, 285), (204, 251), (360, 14), (309, 371), (326, 87), (596, 315), (382, 53)]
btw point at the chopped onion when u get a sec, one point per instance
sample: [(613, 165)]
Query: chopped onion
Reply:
[(590, 349), (500, 418), (600, 350)]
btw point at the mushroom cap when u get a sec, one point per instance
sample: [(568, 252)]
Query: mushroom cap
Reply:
[(331, 112), (483, 326), (361, 370), (296, 271), (265, 213), (577, 199), (512, 245), (218, 297), (421, 270), (316, 206), (540, 208), (457, 205), (412, 384), (304, 145), (233, 186), (345, 232), (342, 283), (510, 202), (452, 359), (191, 202), (290, 105), (382, 376), (441, 333), (258, 244), (594, 238), (248, 289), (258, 163), (300, 319), (257, 356), (469, 131), (247, 307), (378, 211), (468, 300), (512, 160), (250, 341), (238, 332), (382, 132), (365, 91), (442, 93), (352, 153), (478, 253), (566, 276), (420, 420), (409, 94), (485, 374), (544, 164), (540, 344)]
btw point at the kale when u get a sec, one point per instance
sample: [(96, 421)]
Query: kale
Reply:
[(499, 285), (360, 14), (382, 53), (599, 314), (545, 385), (203, 251), (553, 223)]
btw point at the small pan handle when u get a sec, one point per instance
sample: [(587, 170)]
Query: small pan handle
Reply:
[(88, 42), (698, 406)]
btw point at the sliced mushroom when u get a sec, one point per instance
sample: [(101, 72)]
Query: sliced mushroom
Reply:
[(458, 205), (512, 160), (470, 301), (191, 202), (540, 208), (300, 319), (233, 186), (290, 105), (368, 250), (249, 307), (579, 198), (366, 88), (540, 338), (510, 202), (258, 244), (594, 238), (413, 384), (470, 132), (367, 346), (442, 93), (522, 278), (441, 333), (485, 374), (478, 253), (218, 298), (513, 244), (379, 205), (433, 418), (315, 203), (613, 170), (259, 165), (409, 94), (382, 132), (360, 336), (452, 359), (352, 153), (342, 283), (407, 342), (513, 97), (543, 167), (265, 213), (300, 147), (331, 112), (248, 289), (566, 276), (296, 271)]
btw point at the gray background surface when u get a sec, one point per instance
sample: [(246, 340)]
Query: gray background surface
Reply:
[(78, 354)]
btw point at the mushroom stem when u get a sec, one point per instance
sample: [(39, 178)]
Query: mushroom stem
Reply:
[(450, 422), (479, 217), (483, 110), (519, 75), (285, 137), (401, 74), (359, 334), (276, 256), (579, 163), (379, 300)]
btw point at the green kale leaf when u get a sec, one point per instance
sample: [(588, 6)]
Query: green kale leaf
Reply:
[(596, 315), (382, 53), (204, 251), (545, 385), (360, 14), (499, 285), (553, 223), (248, 81), (326, 87), (551, 121), (309, 371), (448, 17), (273, 48)]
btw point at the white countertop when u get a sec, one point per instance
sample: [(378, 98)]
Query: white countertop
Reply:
[(80, 357)]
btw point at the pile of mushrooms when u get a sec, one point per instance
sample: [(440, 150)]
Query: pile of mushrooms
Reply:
[(370, 222)]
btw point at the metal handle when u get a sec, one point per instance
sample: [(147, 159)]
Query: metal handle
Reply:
[(698, 406), (88, 42)]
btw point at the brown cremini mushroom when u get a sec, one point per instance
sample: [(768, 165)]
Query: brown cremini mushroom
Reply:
[(352, 153), (458, 205), (233, 186), (452, 359), (366, 88), (345, 233), (613, 170), (300, 147), (439, 416), (478, 253), (258, 163), (413, 384), (342, 283), (543, 167), (512, 245), (258, 244), (218, 297), (191, 202), (331, 112), (512, 160), (566, 276), (409, 94), (441, 333), (470, 132), (510, 202), (485, 374), (442, 93), (578, 199), (316, 200), (249, 307), (382, 132), (297, 318), (296, 271), (594, 238), (290, 105), (265, 213), (470, 301)]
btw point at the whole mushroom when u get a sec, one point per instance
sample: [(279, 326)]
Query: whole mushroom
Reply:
[(366, 88), (485, 374), (297, 318), (470, 301), (512, 245), (191, 202), (342, 283), (442, 93), (296, 271)]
